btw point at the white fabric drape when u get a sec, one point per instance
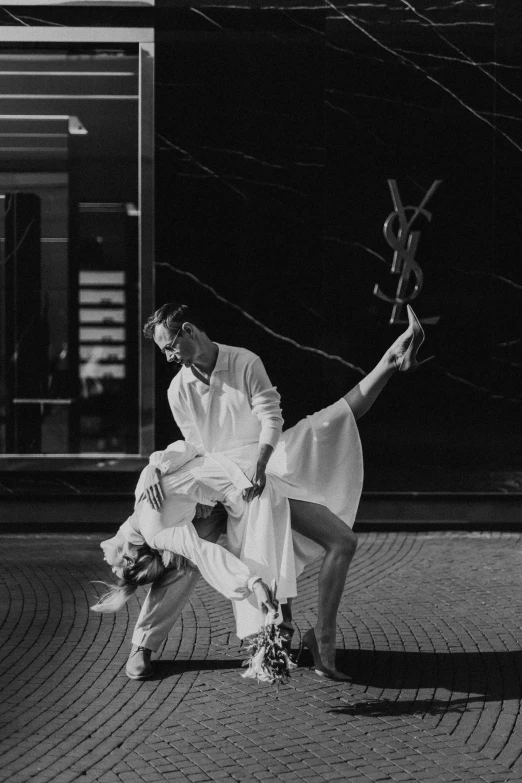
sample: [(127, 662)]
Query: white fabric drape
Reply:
[(320, 461)]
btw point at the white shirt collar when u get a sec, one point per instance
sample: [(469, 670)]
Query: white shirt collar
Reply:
[(222, 363)]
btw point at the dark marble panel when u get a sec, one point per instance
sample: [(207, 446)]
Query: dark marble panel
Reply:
[(360, 94), (413, 95), (278, 129), (240, 177)]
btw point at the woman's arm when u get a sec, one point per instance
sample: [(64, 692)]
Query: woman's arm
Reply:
[(221, 569)]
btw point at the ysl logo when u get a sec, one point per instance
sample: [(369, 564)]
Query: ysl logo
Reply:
[(404, 241)]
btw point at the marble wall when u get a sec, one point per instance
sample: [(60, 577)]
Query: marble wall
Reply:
[(278, 128), (278, 131)]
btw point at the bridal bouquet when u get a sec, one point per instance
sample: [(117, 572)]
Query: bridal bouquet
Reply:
[(268, 660)]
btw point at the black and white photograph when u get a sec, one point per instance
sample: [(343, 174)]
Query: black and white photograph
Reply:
[(261, 391)]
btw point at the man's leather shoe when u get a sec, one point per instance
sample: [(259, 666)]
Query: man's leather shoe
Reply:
[(139, 666)]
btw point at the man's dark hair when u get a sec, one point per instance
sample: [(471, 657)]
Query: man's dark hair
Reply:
[(171, 316)]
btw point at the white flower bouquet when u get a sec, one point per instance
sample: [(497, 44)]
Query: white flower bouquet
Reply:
[(268, 660)]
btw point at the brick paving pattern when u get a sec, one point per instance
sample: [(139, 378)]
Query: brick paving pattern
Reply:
[(430, 629)]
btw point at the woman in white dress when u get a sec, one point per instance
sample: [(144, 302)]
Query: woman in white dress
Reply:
[(307, 509)]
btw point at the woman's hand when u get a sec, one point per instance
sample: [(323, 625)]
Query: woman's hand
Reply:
[(264, 598), (152, 491)]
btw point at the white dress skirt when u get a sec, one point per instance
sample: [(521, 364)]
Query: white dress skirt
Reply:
[(319, 460)]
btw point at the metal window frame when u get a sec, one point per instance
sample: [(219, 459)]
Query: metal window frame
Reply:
[(144, 38), (131, 3)]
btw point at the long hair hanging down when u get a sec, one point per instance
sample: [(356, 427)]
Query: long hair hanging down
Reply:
[(146, 567)]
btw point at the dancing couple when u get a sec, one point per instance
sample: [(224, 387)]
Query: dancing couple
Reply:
[(282, 499)]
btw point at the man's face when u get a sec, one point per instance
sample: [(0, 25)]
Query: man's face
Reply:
[(178, 347)]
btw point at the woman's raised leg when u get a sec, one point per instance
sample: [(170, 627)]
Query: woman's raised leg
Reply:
[(400, 356), (320, 524), (339, 542)]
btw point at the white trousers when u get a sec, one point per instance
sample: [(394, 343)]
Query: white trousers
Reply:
[(165, 600)]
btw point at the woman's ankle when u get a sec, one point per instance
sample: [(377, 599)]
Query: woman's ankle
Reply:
[(391, 360), (324, 636)]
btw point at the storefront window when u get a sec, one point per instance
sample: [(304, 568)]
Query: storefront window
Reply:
[(75, 242)]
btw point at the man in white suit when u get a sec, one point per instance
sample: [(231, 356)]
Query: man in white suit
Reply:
[(223, 401)]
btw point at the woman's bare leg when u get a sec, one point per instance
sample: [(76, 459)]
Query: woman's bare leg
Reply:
[(322, 526), (361, 397)]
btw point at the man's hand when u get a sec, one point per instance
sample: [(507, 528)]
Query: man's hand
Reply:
[(258, 480), (152, 491)]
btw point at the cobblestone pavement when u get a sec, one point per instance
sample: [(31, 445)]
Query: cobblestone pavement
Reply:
[(430, 628)]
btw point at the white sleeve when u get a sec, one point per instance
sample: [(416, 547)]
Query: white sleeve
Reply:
[(266, 403), (174, 457), (222, 570)]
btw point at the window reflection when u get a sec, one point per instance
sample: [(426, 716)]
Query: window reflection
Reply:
[(106, 324), (69, 236)]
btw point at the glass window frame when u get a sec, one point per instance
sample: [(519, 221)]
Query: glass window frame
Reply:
[(144, 38), (120, 3)]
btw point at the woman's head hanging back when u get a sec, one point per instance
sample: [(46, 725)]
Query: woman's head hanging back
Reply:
[(146, 567)]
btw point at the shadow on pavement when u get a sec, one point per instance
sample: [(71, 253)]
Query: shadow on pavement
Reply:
[(376, 708), (165, 668), (494, 675), (466, 677)]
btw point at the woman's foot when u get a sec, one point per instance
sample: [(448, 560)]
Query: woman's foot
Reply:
[(326, 647), (403, 352), (324, 657)]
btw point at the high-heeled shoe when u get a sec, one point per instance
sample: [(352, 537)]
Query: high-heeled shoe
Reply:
[(409, 362), (310, 642)]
